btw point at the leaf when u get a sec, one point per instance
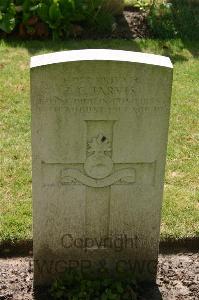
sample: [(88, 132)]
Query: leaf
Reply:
[(4, 4), (11, 10), (26, 17), (43, 11), (7, 23), (54, 12), (34, 8), (26, 5), (119, 288), (67, 8), (72, 3)]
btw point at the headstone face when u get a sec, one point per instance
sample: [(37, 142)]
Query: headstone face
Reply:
[(99, 134)]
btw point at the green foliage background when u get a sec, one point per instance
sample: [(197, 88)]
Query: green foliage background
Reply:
[(58, 15), (61, 18), (174, 18)]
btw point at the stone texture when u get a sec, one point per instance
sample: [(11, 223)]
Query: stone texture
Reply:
[(99, 134)]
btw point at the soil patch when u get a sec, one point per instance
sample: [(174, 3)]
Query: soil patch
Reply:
[(178, 278), (132, 24)]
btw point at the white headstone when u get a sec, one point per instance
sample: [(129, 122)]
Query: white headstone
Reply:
[(99, 135)]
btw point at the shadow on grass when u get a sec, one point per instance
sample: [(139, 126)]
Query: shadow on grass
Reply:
[(36, 46), (192, 46), (177, 49)]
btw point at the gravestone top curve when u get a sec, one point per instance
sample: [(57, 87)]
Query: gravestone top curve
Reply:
[(100, 55)]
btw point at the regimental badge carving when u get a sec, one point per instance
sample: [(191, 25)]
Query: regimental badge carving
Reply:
[(74, 176), (98, 167)]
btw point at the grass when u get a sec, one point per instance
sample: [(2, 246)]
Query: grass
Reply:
[(180, 208)]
